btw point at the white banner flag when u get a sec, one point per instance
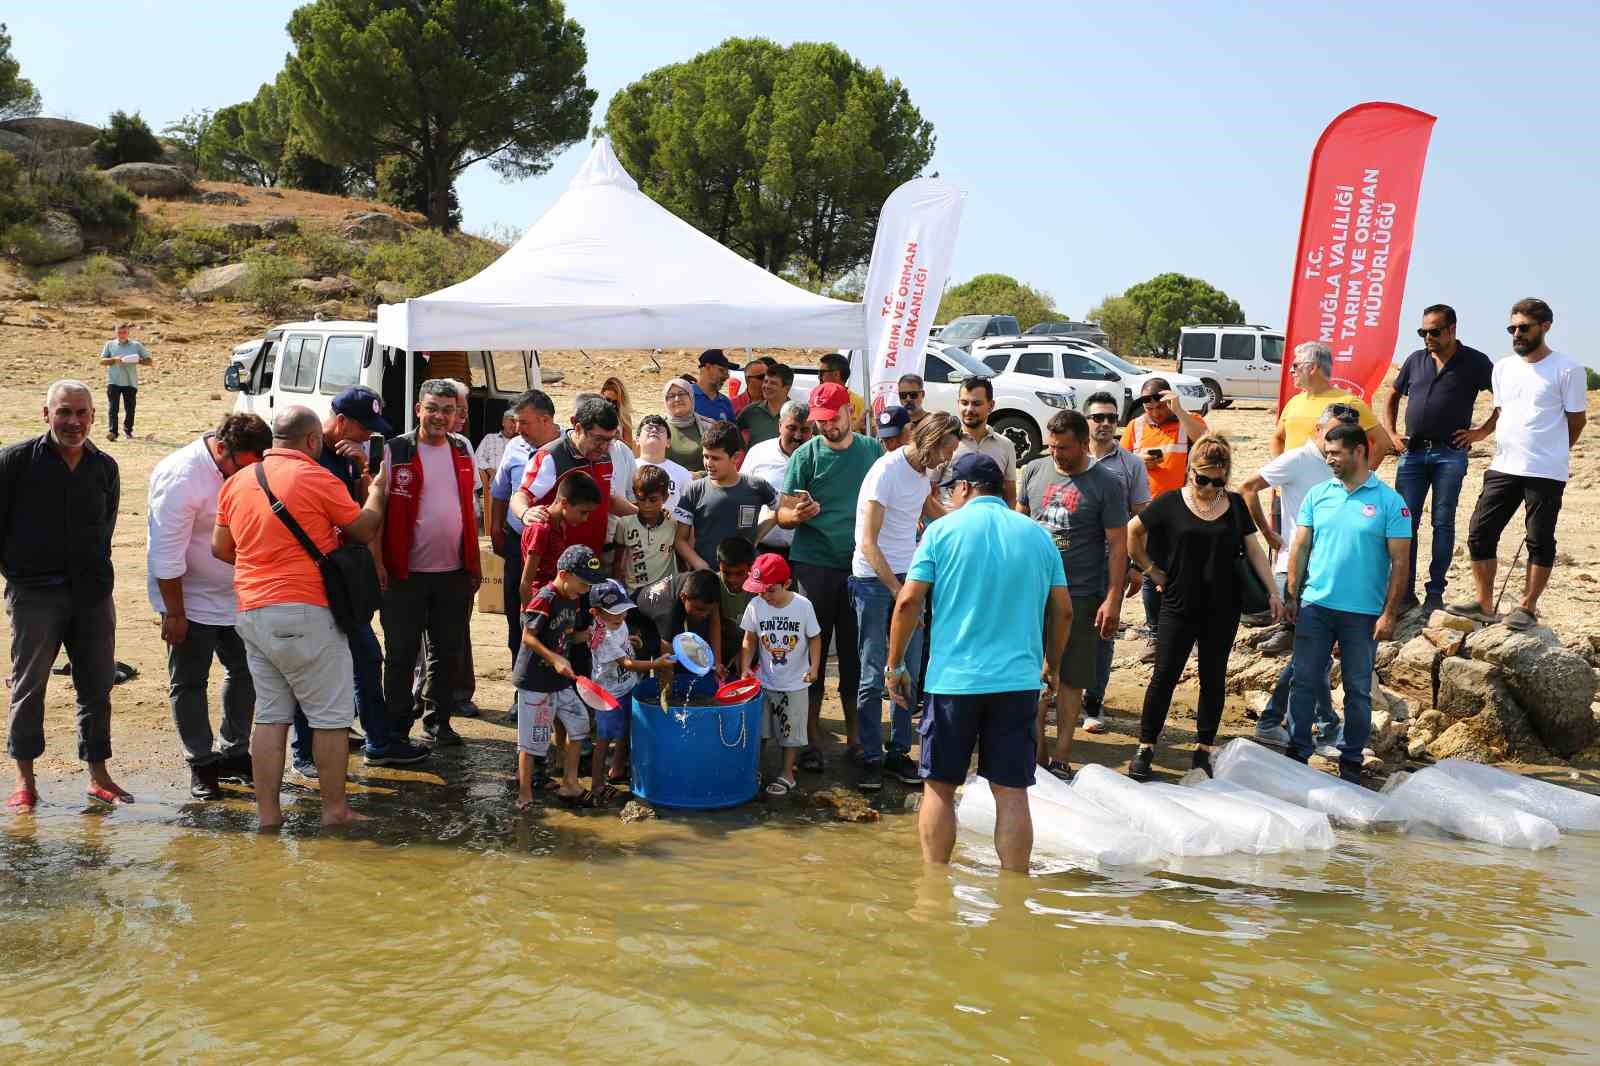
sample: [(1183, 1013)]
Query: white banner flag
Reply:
[(905, 279)]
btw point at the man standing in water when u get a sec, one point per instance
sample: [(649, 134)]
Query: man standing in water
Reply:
[(981, 690), (58, 508), (298, 657)]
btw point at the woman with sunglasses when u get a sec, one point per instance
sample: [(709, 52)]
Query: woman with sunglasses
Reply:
[(1187, 542), (616, 394)]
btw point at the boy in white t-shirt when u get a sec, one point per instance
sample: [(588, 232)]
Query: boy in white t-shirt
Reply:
[(617, 655), (1540, 408), (776, 624)]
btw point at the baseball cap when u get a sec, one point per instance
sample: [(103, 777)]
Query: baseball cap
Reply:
[(892, 421), (609, 595), (363, 406), (579, 560), (769, 569), (714, 357), (826, 401), (974, 467)]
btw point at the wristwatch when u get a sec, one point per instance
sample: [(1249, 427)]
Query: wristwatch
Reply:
[(894, 671)]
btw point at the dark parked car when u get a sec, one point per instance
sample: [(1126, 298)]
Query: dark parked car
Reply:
[(1083, 331)]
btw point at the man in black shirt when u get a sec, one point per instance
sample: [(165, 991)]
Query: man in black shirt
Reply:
[(58, 508), (1441, 382)]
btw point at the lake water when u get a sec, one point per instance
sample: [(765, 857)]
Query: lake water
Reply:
[(454, 930)]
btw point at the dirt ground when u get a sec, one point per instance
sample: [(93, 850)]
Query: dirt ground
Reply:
[(182, 396)]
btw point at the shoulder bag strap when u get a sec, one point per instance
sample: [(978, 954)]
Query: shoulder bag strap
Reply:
[(286, 518)]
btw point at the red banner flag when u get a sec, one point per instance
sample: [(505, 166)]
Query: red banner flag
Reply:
[(1355, 242)]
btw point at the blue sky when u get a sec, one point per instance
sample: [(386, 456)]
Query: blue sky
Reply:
[(1099, 144)]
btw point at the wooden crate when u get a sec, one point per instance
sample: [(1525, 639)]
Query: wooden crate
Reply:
[(492, 592)]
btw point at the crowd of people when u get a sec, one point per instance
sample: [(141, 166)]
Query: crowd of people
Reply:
[(974, 596)]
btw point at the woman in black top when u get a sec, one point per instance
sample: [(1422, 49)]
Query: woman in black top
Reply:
[(1188, 542)]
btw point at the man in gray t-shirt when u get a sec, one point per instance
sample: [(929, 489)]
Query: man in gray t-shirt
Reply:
[(122, 359), (1076, 509), (711, 512)]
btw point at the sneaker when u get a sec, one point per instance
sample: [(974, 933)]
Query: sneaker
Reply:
[(112, 435), (203, 782), (237, 767), (1433, 602), (1409, 604), (902, 769), (1280, 643), (1139, 768), (1201, 760), (1470, 609), (442, 735), (304, 772), (1273, 736), (1093, 724), (1350, 773), (468, 709), (871, 777), (1327, 751), (399, 753)]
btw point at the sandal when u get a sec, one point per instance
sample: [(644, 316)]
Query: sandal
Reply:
[(22, 801), (1059, 770), (524, 804), (604, 796), (779, 787), (113, 795), (810, 760), (582, 798)]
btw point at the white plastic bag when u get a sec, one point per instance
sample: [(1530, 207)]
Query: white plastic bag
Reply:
[(1077, 831), (1173, 827), (1244, 762), (1246, 828), (1568, 808), (1434, 798), (1311, 827)]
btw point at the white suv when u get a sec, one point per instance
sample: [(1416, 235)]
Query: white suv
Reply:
[(1086, 368), (1234, 362)]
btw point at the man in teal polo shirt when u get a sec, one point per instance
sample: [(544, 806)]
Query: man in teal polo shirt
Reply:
[(122, 359), (993, 572), (1348, 567)]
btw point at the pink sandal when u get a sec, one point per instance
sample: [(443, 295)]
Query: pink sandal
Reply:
[(22, 801), (113, 795)]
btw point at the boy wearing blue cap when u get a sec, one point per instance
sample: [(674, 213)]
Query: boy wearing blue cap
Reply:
[(544, 676), (620, 640)]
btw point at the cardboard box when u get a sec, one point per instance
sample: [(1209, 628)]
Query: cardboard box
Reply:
[(491, 594)]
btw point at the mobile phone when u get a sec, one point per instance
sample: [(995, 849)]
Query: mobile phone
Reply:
[(1154, 453), (374, 453)]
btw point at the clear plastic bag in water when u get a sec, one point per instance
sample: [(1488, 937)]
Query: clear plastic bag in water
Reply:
[(1077, 831), (1314, 831), (1249, 829), (1567, 808), (1247, 763), (1431, 797), (1175, 829)]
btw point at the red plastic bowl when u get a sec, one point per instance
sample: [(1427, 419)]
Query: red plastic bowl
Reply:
[(742, 690)]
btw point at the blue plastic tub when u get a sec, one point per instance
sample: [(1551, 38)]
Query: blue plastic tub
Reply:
[(699, 758)]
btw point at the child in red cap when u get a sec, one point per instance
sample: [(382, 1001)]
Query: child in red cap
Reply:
[(776, 624)]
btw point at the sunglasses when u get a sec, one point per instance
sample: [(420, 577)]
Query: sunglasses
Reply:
[(1203, 481), (755, 377), (1434, 332), (911, 395), (1103, 417), (1148, 400), (1525, 327)]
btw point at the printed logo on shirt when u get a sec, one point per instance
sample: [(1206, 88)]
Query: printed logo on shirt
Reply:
[(747, 516), (1369, 510), (404, 477), (1405, 512)]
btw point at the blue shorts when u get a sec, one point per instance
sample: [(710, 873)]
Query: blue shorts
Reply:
[(1000, 725), (612, 725)]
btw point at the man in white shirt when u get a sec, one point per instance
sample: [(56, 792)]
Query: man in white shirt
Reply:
[(1540, 408), (491, 449), (1295, 473), (892, 501), (193, 592), (768, 460)]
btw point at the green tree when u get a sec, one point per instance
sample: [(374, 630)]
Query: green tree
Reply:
[(400, 183), (1122, 323), (784, 154), (997, 294), (1168, 302), (445, 83), (220, 152), (125, 139), (264, 125), (18, 97)]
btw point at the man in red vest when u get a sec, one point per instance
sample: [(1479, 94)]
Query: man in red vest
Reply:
[(430, 556), (587, 448)]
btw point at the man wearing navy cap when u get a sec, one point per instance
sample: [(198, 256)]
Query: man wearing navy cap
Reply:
[(891, 427), (988, 654), (709, 402)]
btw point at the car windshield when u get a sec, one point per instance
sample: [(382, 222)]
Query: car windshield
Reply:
[(964, 329), (951, 354), (1106, 356)]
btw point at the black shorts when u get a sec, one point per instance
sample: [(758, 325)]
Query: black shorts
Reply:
[(1540, 498), (1000, 725)]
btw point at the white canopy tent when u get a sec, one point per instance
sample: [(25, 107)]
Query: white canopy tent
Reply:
[(607, 267)]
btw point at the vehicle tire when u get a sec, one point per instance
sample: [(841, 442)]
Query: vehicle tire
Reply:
[(1218, 401), (1023, 435)]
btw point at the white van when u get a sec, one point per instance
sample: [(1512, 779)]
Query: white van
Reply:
[(1234, 362), (309, 363)]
